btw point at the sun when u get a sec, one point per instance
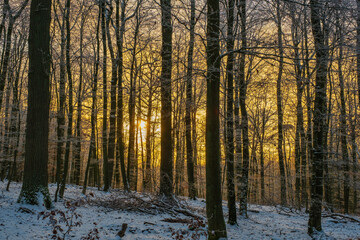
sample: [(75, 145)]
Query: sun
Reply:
[(142, 124)]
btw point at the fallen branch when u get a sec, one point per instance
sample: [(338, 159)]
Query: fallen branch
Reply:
[(338, 215)]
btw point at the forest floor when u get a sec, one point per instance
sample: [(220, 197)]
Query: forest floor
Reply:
[(108, 216)]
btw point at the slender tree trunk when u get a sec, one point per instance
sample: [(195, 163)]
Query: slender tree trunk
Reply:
[(92, 147), (279, 105), (147, 183), (189, 107), (112, 130), (71, 108), (354, 153), (229, 141), (132, 160), (77, 151), (343, 122), (61, 111), (166, 166), (244, 115), (309, 139), (106, 167), (318, 156), (120, 125)]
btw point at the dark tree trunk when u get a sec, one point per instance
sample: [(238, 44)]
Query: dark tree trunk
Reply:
[(120, 125), (229, 141), (166, 166), (35, 182), (61, 110), (214, 213), (77, 151), (343, 127), (71, 108), (92, 147), (106, 167), (300, 146), (279, 105), (189, 107), (132, 159), (147, 182), (114, 78), (244, 115), (354, 153), (318, 156)]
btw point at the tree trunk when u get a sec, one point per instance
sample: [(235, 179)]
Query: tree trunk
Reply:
[(120, 124), (343, 122), (61, 110), (214, 213), (92, 147), (318, 156), (229, 141), (106, 167), (189, 107), (35, 182), (244, 115), (279, 106), (166, 166), (71, 108)]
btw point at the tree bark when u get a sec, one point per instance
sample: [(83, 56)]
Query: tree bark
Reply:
[(214, 213), (189, 106), (229, 141), (319, 118), (35, 182), (166, 166)]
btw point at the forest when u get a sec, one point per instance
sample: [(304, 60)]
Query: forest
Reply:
[(236, 103)]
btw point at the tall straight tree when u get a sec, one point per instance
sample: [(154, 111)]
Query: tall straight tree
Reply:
[(106, 167), (166, 167), (229, 146), (343, 122), (35, 183), (214, 213), (120, 15), (71, 108), (61, 106), (112, 130), (319, 115), (189, 106), (279, 105), (244, 115)]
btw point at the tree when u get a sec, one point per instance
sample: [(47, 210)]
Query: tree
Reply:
[(166, 166), (279, 105), (229, 142), (244, 115), (214, 213), (319, 118), (106, 167), (189, 105), (35, 183), (71, 108), (343, 122)]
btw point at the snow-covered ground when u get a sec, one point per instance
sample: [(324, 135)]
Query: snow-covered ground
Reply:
[(104, 214)]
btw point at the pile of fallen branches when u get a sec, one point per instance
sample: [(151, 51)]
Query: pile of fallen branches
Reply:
[(152, 205)]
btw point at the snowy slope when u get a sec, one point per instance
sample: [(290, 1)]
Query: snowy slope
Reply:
[(109, 211)]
